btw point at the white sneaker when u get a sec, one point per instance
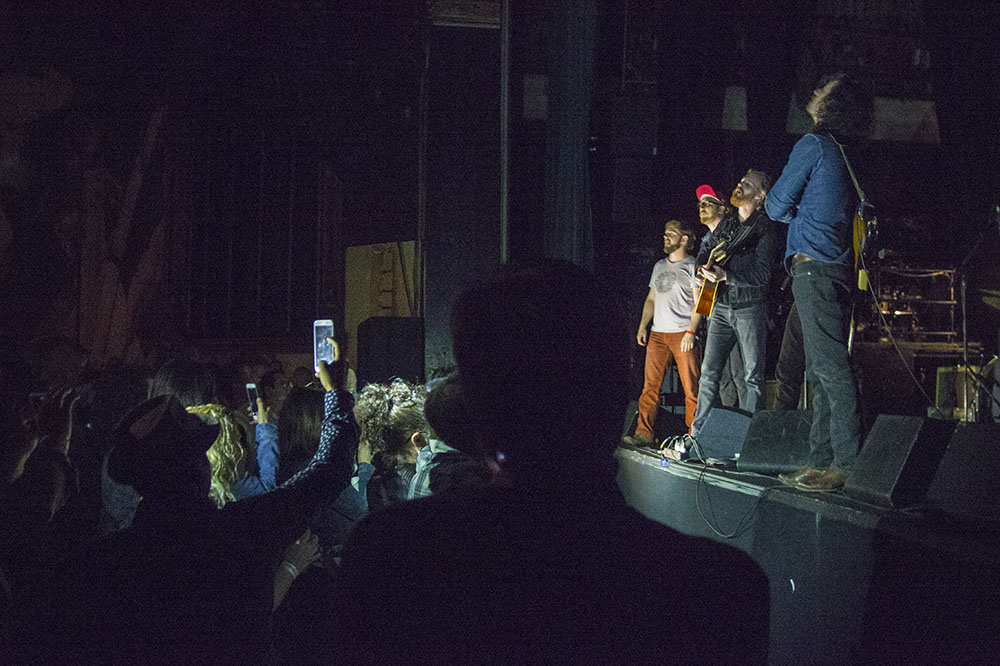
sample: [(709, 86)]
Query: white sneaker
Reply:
[(685, 443)]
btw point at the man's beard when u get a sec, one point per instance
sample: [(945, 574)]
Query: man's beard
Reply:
[(738, 201), (710, 220)]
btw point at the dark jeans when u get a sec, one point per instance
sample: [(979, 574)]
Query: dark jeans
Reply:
[(823, 293), (747, 328), (790, 371)]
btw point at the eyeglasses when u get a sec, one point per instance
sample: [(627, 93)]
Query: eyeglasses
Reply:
[(707, 204), (671, 234)]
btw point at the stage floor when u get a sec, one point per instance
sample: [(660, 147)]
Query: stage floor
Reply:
[(851, 583)]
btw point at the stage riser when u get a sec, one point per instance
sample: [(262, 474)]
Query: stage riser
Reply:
[(850, 583)]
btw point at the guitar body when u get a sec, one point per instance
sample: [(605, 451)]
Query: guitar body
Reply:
[(862, 230), (706, 298), (718, 256)]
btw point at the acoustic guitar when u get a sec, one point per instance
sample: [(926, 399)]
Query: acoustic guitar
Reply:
[(718, 257)]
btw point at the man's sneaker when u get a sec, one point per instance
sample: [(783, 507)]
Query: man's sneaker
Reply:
[(637, 441), (678, 447), (685, 444)]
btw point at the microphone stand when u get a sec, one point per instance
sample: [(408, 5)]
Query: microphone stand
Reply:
[(962, 287)]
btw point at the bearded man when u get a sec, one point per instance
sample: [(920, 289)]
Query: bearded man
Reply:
[(669, 305), (739, 314)]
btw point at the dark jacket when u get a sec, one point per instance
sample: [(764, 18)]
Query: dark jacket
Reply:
[(748, 270)]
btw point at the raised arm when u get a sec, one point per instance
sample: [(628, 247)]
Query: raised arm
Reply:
[(285, 509), (782, 203), (268, 456)]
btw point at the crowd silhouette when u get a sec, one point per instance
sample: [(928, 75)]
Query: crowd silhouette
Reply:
[(472, 520)]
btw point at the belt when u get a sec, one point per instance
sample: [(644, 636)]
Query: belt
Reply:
[(799, 258)]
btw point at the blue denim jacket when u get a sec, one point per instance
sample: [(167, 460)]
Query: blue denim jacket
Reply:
[(266, 435), (816, 198)]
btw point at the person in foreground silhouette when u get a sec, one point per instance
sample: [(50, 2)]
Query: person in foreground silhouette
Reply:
[(550, 565)]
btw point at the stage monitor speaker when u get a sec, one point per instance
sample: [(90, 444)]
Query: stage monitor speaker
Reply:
[(898, 460), (777, 441), (966, 484), (390, 347), (722, 435)]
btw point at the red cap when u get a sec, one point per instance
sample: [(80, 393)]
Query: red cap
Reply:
[(706, 191)]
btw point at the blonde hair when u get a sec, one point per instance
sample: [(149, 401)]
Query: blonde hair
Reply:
[(227, 453)]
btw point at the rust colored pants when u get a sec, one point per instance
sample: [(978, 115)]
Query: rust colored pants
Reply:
[(661, 349)]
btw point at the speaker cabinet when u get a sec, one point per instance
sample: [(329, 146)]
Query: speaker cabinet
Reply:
[(722, 435), (777, 441), (390, 347), (898, 460), (966, 484)]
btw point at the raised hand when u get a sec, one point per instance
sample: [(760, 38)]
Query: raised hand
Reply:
[(334, 374)]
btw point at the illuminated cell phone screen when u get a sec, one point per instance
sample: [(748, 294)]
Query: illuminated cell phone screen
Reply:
[(252, 395), (322, 348)]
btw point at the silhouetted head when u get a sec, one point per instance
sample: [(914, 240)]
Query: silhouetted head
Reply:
[(448, 415), (299, 424), (192, 383), (160, 450), (843, 105), (542, 351)]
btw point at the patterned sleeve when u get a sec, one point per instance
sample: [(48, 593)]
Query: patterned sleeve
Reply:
[(338, 440)]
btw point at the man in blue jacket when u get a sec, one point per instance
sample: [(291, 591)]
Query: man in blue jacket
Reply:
[(816, 198)]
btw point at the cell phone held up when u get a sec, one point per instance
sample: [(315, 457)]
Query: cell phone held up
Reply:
[(252, 395), (322, 347)]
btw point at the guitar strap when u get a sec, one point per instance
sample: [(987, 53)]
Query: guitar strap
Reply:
[(859, 231), (735, 237), (854, 179)]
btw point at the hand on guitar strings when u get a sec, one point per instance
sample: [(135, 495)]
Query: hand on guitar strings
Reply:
[(713, 274)]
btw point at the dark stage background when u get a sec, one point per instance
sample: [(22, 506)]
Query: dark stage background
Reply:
[(172, 175)]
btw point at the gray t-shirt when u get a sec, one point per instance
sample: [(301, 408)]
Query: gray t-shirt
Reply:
[(674, 285)]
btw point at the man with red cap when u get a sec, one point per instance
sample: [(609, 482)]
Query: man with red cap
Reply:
[(739, 314), (711, 210)]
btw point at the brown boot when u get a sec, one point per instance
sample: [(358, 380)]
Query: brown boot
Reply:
[(801, 474), (637, 441), (831, 479)]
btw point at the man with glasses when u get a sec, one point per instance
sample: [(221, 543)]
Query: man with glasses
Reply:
[(711, 211), (739, 316), (669, 305)]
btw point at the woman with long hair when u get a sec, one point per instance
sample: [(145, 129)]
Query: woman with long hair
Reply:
[(232, 477), (298, 423)]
